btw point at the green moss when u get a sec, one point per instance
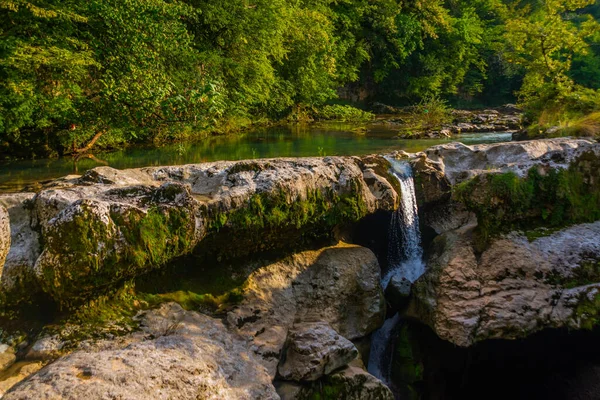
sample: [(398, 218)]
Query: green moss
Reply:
[(407, 369), (84, 245), (552, 198), (272, 220), (587, 312)]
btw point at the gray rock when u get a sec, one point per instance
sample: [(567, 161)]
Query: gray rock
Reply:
[(515, 288), (17, 274), (397, 292), (178, 355), (99, 226), (313, 350), (459, 162), (338, 285), (46, 348)]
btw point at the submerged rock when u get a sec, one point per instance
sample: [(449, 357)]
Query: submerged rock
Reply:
[(313, 350), (178, 355), (514, 288), (337, 285)]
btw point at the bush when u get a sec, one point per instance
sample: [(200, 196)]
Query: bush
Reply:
[(343, 114)]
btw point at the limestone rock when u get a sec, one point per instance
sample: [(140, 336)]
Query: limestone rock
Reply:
[(515, 288), (179, 355), (459, 162), (81, 233), (338, 285), (313, 350)]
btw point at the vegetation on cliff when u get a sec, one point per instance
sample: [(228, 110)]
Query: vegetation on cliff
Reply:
[(541, 198)]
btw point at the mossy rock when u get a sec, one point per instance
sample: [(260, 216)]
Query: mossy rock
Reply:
[(544, 197)]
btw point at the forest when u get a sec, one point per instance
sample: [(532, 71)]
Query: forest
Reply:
[(105, 73)]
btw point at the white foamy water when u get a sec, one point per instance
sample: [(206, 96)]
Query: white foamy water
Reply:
[(405, 258)]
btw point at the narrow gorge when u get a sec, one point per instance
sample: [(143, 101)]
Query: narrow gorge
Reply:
[(430, 275)]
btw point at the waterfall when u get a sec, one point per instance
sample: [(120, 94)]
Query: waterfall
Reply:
[(405, 254), (405, 259)]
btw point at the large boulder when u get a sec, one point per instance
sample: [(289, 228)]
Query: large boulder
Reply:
[(80, 235), (177, 355), (516, 287), (313, 350), (337, 285)]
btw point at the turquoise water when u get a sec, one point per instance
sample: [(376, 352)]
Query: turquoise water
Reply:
[(281, 141)]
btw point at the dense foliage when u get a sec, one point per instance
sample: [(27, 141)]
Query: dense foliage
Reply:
[(75, 72)]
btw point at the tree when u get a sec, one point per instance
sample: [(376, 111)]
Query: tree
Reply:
[(544, 40)]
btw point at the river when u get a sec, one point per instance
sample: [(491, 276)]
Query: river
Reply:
[(279, 141)]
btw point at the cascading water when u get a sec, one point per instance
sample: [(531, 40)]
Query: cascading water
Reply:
[(405, 254), (405, 259)]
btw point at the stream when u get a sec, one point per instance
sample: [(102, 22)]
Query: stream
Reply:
[(332, 139)]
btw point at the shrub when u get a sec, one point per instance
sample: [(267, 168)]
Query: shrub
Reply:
[(343, 113)]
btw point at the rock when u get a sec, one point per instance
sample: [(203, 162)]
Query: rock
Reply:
[(350, 383), (338, 285), (313, 350), (17, 274), (459, 162), (514, 288), (81, 234), (7, 357), (46, 348), (178, 355), (397, 292), (4, 236)]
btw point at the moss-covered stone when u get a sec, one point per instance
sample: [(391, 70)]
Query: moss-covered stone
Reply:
[(545, 197), (587, 312), (270, 221)]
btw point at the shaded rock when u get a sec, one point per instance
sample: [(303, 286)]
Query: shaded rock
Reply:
[(397, 292), (313, 350), (338, 285), (350, 383), (178, 355), (515, 288)]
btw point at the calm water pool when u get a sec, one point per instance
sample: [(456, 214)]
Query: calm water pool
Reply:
[(281, 141)]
